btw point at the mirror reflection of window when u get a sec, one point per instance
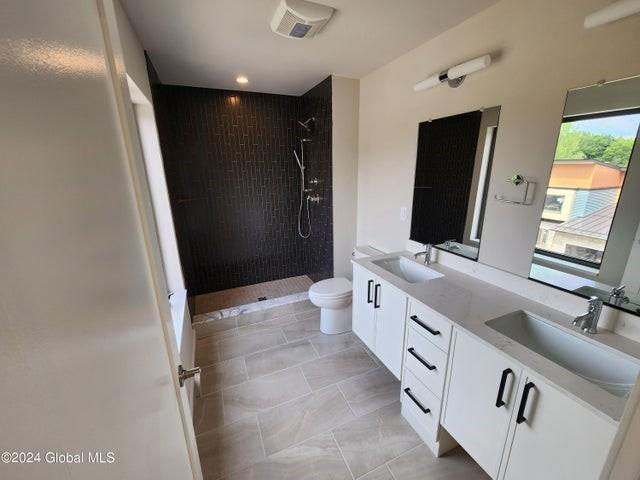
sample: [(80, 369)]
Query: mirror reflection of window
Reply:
[(591, 161)]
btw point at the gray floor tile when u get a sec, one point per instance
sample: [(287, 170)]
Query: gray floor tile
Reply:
[(337, 367), (263, 393), (311, 313), (278, 358), (303, 418), (328, 344), (315, 459), (251, 343), (262, 315), (371, 391), (369, 441), (223, 374), (223, 327), (230, 448), (420, 463), (267, 324), (382, 473), (303, 306), (302, 329), (207, 352), (207, 413)]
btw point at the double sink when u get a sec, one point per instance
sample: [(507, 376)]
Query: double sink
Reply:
[(601, 366)]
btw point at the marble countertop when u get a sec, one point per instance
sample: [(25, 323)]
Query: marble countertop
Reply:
[(469, 303)]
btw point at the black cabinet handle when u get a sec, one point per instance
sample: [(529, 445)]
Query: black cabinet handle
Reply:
[(523, 403), (376, 296), (416, 401), (412, 351), (424, 325), (369, 283), (503, 382)]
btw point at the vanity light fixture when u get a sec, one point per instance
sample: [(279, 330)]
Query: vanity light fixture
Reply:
[(611, 13), (454, 76), (242, 80)]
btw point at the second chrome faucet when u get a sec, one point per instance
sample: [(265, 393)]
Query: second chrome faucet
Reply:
[(588, 322)]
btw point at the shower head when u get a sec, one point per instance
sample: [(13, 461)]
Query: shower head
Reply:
[(308, 124)]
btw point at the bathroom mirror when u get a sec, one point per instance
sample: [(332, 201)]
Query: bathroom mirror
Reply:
[(588, 241), (453, 167)]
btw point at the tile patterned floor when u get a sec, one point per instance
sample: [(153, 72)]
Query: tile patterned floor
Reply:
[(232, 297), (282, 401)]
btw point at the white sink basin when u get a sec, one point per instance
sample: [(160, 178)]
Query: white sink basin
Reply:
[(611, 371), (407, 270)]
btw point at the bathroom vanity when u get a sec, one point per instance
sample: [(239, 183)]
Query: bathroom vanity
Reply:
[(527, 395)]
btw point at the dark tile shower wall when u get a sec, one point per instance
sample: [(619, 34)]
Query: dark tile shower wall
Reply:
[(234, 186), (318, 255)]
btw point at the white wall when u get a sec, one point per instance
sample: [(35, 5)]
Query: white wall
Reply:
[(540, 50), (147, 133), (133, 53), (345, 109), (543, 51)]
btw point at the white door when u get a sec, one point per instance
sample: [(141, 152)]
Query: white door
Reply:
[(480, 399), (363, 316), (390, 307), (85, 366), (554, 437)]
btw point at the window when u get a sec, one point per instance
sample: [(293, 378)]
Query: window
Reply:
[(588, 172), (553, 203)]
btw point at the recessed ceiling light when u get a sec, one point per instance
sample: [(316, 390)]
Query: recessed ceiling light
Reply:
[(242, 80)]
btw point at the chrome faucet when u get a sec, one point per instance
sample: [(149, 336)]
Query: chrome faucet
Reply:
[(426, 253), (617, 295), (449, 245), (588, 322)]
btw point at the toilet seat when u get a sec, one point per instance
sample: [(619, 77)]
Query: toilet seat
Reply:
[(338, 287)]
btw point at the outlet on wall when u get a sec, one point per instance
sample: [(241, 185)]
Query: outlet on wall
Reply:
[(403, 214)]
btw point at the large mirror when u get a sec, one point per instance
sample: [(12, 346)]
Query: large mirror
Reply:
[(453, 167), (588, 241)]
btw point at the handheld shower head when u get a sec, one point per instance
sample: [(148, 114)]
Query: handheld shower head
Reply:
[(308, 124)]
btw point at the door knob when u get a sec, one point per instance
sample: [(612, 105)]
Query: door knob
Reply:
[(184, 374)]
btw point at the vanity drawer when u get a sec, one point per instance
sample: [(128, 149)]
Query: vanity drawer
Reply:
[(434, 328), (426, 361), (420, 407)]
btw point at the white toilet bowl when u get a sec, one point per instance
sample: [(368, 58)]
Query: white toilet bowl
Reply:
[(333, 296)]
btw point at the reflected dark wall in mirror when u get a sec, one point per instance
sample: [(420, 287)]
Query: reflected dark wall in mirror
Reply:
[(453, 167), (588, 240)]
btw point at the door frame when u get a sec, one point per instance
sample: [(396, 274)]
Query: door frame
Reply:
[(140, 187)]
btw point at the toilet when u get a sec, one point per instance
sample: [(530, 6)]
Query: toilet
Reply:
[(333, 296)]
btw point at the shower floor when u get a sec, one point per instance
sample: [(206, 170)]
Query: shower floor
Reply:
[(234, 297)]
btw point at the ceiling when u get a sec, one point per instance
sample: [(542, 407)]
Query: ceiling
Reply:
[(208, 43)]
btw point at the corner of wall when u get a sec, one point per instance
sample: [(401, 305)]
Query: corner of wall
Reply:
[(345, 116)]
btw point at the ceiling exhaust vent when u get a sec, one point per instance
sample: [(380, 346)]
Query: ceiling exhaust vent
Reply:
[(299, 18)]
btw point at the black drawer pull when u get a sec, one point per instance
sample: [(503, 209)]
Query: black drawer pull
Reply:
[(503, 382), (369, 283), (424, 325), (523, 403), (412, 351), (376, 296), (415, 400)]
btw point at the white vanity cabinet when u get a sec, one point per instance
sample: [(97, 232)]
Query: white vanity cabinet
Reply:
[(516, 426), (481, 397), (554, 437), (379, 311)]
